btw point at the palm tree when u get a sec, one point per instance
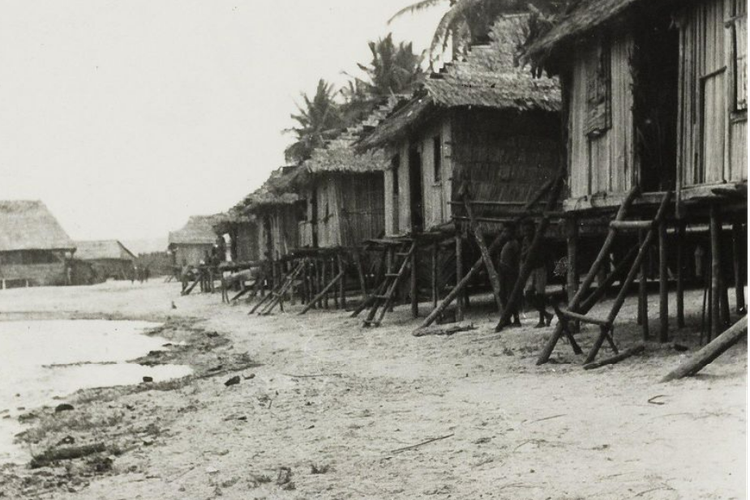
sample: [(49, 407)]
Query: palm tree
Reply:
[(469, 21), (393, 69), (318, 120)]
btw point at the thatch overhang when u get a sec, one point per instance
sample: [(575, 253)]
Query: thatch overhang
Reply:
[(198, 231), (583, 18), (29, 225), (489, 78), (103, 250)]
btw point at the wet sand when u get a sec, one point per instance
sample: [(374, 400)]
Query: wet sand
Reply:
[(327, 413)]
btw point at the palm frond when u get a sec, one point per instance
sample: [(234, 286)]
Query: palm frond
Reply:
[(416, 7)]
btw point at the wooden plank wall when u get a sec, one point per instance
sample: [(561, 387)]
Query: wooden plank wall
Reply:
[(712, 135), (247, 242), (283, 230), (604, 163), (362, 207)]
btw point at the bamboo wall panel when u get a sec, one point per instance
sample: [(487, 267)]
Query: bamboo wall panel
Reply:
[(247, 242)]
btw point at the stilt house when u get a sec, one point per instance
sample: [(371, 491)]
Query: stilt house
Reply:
[(655, 96), (191, 243), (34, 248), (482, 131), (243, 234), (107, 258), (278, 211), (482, 123), (655, 100)]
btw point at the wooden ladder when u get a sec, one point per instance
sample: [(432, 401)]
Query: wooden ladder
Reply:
[(383, 297), (578, 309), (276, 296)]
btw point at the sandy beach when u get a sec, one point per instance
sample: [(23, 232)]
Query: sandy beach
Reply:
[(326, 409)]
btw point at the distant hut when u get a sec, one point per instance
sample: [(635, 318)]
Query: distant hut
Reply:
[(656, 105), (191, 243), (107, 258), (34, 248), (481, 130), (242, 230)]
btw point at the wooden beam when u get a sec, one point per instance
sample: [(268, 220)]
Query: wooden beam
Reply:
[(323, 292), (643, 292), (737, 258), (572, 275), (636, 349), (715, 231), (681, 275), (459, 279), (663, 284), (413, 285)]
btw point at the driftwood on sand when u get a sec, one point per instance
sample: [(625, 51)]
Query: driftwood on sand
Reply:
[(443, 330), (66, 453), (637, 349)]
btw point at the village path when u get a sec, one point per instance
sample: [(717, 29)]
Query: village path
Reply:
[(517, 431)]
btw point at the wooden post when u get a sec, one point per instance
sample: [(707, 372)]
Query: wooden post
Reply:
[(413, 288), (572, 277), (681, 275), (643, 291), (342, 283), (459, 275), (336, 279), (488, 264), (663, 284), (737, 257), (715, 271), (435, 275)]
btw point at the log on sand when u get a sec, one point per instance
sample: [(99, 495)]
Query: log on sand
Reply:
[(68, 453), (710, 352), (443, 330)]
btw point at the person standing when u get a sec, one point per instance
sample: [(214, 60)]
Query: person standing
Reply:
[(509, 266), (536, 284)]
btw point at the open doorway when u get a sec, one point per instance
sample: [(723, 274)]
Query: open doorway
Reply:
[(415, 190), (655, 72)]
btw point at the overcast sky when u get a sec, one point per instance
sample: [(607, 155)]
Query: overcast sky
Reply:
[(127, 116)]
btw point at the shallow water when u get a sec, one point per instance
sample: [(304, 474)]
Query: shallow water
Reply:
[(40, 363)]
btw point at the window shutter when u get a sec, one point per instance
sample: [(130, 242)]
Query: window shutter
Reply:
[(740, 62), (598, 90)]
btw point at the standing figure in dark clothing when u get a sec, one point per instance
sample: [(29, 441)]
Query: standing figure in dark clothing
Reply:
[(509, 266), (536, 285)]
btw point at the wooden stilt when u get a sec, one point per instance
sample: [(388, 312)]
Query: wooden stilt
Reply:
[(715, 271), (663, 284), (486, 257), (737, 257), (724, 301), (643, 291), (324, 291), (434, 275), (342, 282), (413, 288), (681, 275), (459, 278), (572, 277)]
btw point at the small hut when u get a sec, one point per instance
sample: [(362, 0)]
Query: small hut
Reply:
[(34, 248), (193, 242), (107, 258), (481, 131), (655, 99)]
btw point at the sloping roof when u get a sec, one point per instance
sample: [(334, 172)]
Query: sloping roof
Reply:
[(582, 18), (339, 155), (197, 231), (29, 225), (102, 249), (273, 192), (489, 77)]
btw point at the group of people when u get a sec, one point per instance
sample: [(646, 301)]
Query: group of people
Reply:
[(514, 252), (140, 273)]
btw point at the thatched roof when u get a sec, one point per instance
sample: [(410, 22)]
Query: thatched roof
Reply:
[(489, 77), (29, 225), (197, 231), (102, 249), (274, 192), (581, 19), (339, 156)]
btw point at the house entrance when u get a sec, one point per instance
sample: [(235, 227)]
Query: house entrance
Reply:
[(655, 71)]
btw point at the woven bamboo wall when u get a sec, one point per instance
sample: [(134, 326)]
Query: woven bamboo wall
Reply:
[(247, 242)]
